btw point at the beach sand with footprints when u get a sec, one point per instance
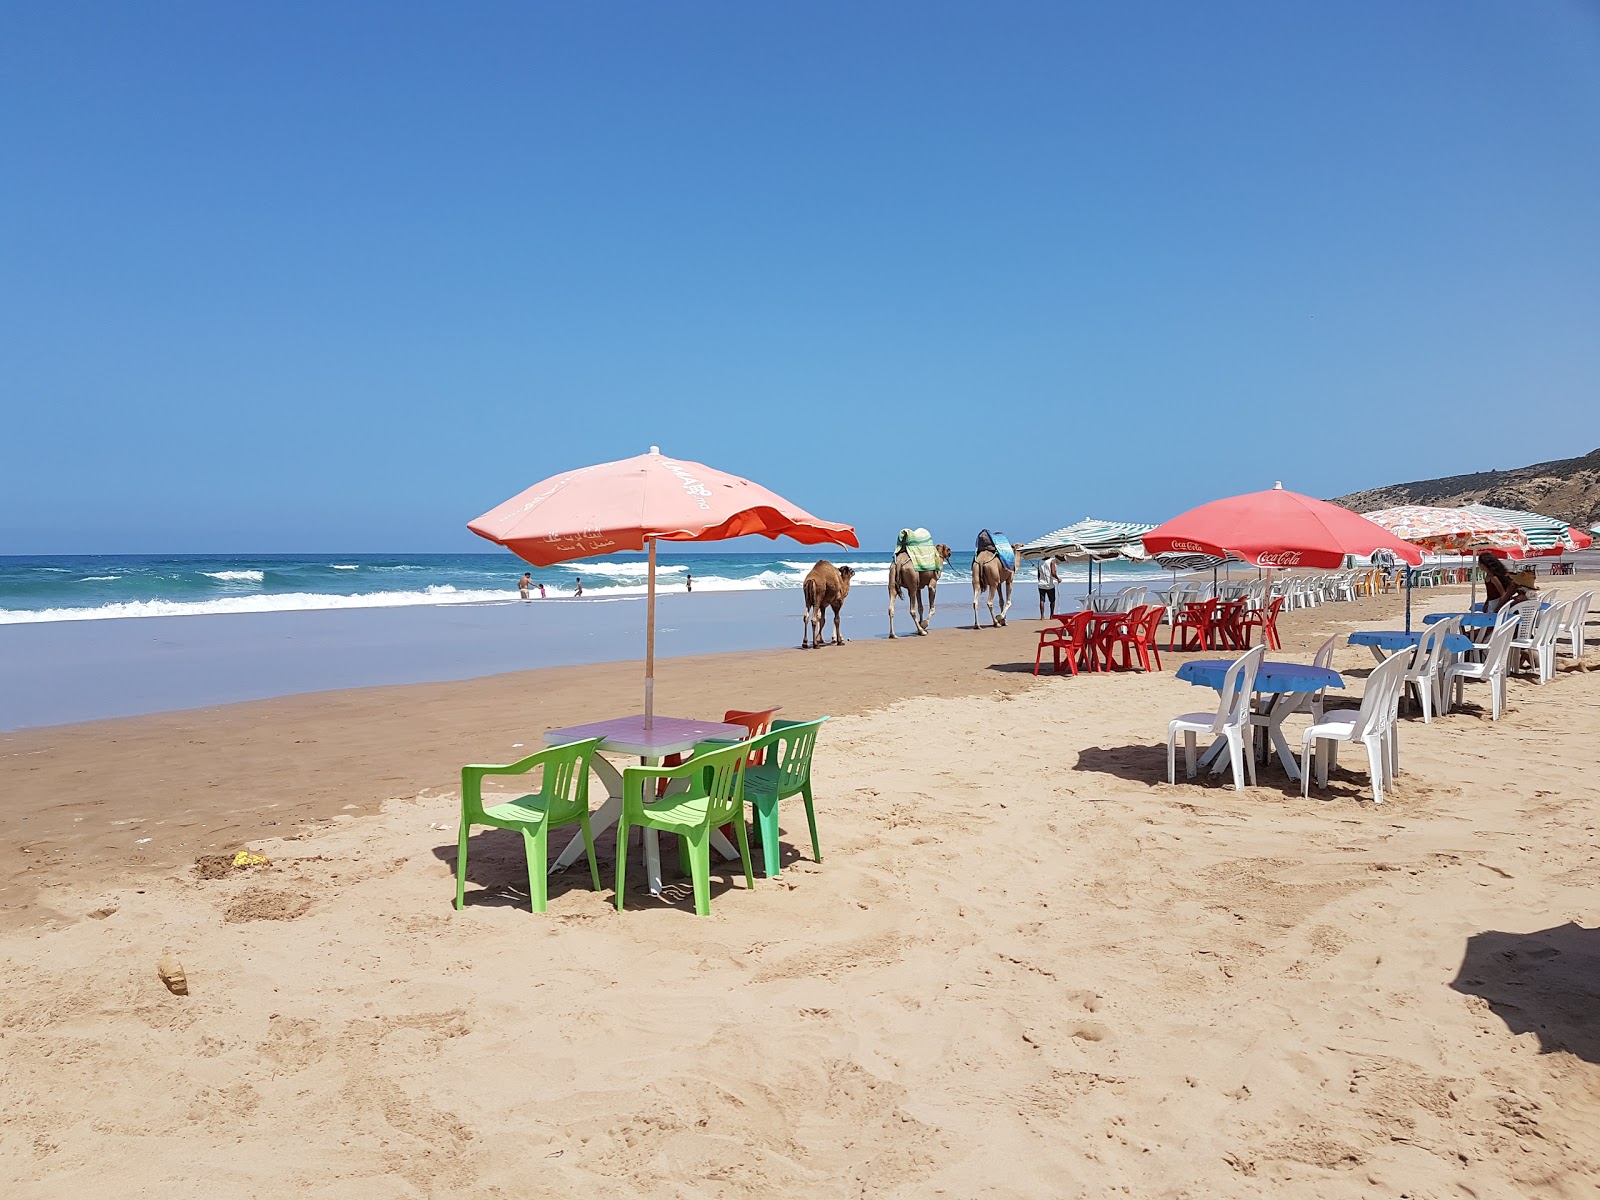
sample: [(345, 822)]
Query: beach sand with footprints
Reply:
[(1027, 966)]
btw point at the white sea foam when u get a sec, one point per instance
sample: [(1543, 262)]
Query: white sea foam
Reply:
[(346, 566), (236, 576), (98, 578), (623, 570), (286, 602)]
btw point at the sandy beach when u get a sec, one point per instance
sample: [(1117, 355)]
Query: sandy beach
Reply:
[(1027, 966)]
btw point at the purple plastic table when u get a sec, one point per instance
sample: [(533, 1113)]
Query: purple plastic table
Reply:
[(627, 735)]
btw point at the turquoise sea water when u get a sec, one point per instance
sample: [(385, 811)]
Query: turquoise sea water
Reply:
[(91, 587)]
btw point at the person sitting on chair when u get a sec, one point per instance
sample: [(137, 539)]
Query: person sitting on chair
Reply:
[(1500, 590)]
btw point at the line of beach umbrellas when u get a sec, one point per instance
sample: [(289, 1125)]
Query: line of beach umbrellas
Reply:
[(634, 503)]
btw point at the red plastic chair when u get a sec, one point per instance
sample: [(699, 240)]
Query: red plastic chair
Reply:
[(1227, 626), (1194, 623), (1265, 620), (1067, 642), (756, 722), (1134, 634)]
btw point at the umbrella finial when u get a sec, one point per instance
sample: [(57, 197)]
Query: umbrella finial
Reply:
[(1277, 485), (655, 449)]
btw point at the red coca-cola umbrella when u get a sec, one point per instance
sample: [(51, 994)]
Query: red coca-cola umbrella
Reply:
[(1277, 528)]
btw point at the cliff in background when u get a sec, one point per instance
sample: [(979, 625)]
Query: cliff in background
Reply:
[(1568, 488)]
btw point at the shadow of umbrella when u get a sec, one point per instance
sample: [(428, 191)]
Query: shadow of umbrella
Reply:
[(1546, 983)]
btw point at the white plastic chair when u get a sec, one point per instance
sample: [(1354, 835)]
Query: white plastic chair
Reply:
[(1427, 665), (1129, 598), (1573, 621), (1540, 639), (1492, 670), (1231, 720), (1367, 725)]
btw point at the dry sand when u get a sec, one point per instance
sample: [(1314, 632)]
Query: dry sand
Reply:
[(1026, 967)]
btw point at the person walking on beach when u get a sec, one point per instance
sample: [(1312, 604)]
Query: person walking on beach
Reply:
[(688, 583), (1047, 585), (578, 589), (525, 583)]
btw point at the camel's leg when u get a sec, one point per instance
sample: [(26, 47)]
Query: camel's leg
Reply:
[(838, 633), (894, 592), (933, 591), (805, 629), (975, 588)]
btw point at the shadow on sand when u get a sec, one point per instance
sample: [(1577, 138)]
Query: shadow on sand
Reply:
[(1546, 983)]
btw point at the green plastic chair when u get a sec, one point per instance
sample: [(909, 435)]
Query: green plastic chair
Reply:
[(712, 798), (562, 799), (786, 772)]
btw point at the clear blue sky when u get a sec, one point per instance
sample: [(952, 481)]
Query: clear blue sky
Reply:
[(342, 276)]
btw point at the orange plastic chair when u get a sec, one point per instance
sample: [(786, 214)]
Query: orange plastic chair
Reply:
[(757, 723)]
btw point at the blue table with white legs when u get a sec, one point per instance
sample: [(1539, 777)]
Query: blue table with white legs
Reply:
[(1280, 688)]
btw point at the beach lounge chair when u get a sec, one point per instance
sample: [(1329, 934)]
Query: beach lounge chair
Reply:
[(786, 773), (1368, 725), (562, 799), (1231, 720), (711, 798)]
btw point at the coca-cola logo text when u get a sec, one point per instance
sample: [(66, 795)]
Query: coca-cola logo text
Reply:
[(1283, 558), (1188, 547)]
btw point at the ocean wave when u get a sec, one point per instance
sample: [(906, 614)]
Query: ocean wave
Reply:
[(236, 576), (285, 602), (98, 578), (345, 566), (623, 570)]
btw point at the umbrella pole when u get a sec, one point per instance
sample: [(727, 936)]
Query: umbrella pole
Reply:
[(650, 642), (1409, 570)]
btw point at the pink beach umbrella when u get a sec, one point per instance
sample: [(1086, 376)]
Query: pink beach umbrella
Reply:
[(636, 502)]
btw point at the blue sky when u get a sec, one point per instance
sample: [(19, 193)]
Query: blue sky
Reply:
[(343, 276)]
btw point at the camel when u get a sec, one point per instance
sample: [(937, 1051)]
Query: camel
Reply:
[(826, 586), (991, 577), (904, 577)]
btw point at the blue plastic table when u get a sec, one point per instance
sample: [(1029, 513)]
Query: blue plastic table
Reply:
[(1393, 640), (1471, 620), (1286, 682)]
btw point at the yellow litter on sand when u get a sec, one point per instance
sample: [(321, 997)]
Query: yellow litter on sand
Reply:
[(246, 859)]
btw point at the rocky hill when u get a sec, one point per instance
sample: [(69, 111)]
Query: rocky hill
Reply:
[(1568, 488)]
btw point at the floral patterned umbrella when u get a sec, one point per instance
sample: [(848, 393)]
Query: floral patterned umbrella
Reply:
[(1450, 530)]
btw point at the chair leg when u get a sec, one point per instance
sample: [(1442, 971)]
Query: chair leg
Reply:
[(744, 855), (622, 858), (1250, 734), (588, 845), (767, 818), (1236, 758), (811, 820), (461, 865), (1305, 768), (1327, 755), (1375, 757), (700, 869), (533, 847), (1172, 756)]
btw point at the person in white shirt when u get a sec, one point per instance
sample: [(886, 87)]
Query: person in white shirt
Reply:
[(1047, 585)]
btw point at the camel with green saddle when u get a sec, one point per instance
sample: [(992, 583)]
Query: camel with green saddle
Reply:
[(915, 568)]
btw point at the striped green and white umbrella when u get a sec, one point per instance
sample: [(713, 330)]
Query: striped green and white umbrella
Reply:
[(1091, 539), (1546, 535)]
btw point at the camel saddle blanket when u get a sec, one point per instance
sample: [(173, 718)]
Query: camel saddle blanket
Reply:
[(1002, 548), (918, 544)]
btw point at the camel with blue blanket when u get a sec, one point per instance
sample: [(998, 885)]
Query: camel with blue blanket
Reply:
[(916, 566), (994, 565)]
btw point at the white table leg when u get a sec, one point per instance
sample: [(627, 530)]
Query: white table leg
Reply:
[(603, 818)]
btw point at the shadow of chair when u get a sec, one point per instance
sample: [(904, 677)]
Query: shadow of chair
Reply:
[(1545, 983)]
